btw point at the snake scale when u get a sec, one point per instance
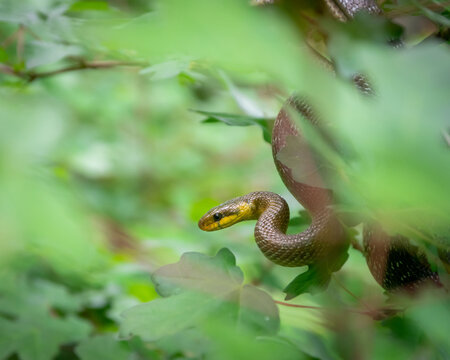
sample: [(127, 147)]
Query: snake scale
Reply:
[(393, 261)]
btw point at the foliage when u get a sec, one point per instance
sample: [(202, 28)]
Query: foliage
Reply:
[(239, 120), (105, 169)]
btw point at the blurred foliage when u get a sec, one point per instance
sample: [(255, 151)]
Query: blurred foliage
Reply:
[(105, 169)]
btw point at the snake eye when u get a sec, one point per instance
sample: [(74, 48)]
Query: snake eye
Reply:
[(217, 216)]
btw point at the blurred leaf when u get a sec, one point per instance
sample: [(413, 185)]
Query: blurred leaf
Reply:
[(240, 120), (164, 317), (368, 28), (42, 215), (89, 6), (195, 271), (196, 289), (52, 226), (46, 53), (297, 156), (54, 296), (227, 343), (3, 55), (432, 15), (102, 347), (211, 31), (393, 167), (248, 106), (191, 342), (315, 345), (37, 336), (432, 316), (257, 311), (16, 11), (167, 69)]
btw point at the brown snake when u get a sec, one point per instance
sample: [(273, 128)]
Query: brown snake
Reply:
[(393, 261)]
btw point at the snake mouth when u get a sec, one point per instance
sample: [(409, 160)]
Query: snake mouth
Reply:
[(222, 217), (207, 223)]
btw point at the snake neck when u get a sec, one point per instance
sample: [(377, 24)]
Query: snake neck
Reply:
[(324, 236)]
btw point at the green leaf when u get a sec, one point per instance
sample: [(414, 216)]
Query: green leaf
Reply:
[(432, 316), (102, 347), (212, 31), (55, 296), (191, 341), (42, 213), (200, 288), (255, 302), (89, 6), (17, 11), (247, 105), (382, 173), (315, 345), (163, 317), (240, 120), (227, 343), (42, 53), (368, 28), (434, 16), (3, 55), (195, 271), (312, 281), (19, 296), (38, 336), (168, 69), (317, 277)]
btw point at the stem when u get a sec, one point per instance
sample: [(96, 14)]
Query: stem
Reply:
[(20, 44), (299, 306), (377, 314), (410, 9), (82, 65)]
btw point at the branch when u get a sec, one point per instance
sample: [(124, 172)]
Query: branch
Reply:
[(82, 65), (411, 9), (376, 314), (8, 70)]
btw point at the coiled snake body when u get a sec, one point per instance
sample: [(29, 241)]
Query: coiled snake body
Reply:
[(394, 263)]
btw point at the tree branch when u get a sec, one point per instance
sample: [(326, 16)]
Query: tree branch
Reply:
[(81, 65), (378, 314), (411, 9)]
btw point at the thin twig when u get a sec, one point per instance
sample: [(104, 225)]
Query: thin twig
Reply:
[(357, 246), (326, 63), (300, 306), (369, 309), (20, 44), (81, 65), (8, 70), (32, 33), (377, 314), (308, 18), (11, 38), (347, 291), (410, 9), (320, 308)]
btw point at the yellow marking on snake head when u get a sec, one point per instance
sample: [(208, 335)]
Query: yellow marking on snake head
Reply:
[(225, 215)]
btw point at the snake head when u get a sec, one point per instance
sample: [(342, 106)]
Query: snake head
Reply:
[(227, 214)]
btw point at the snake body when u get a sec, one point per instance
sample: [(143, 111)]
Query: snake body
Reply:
[(393, 261)]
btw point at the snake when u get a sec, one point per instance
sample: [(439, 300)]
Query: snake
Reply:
[(392, 260)]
